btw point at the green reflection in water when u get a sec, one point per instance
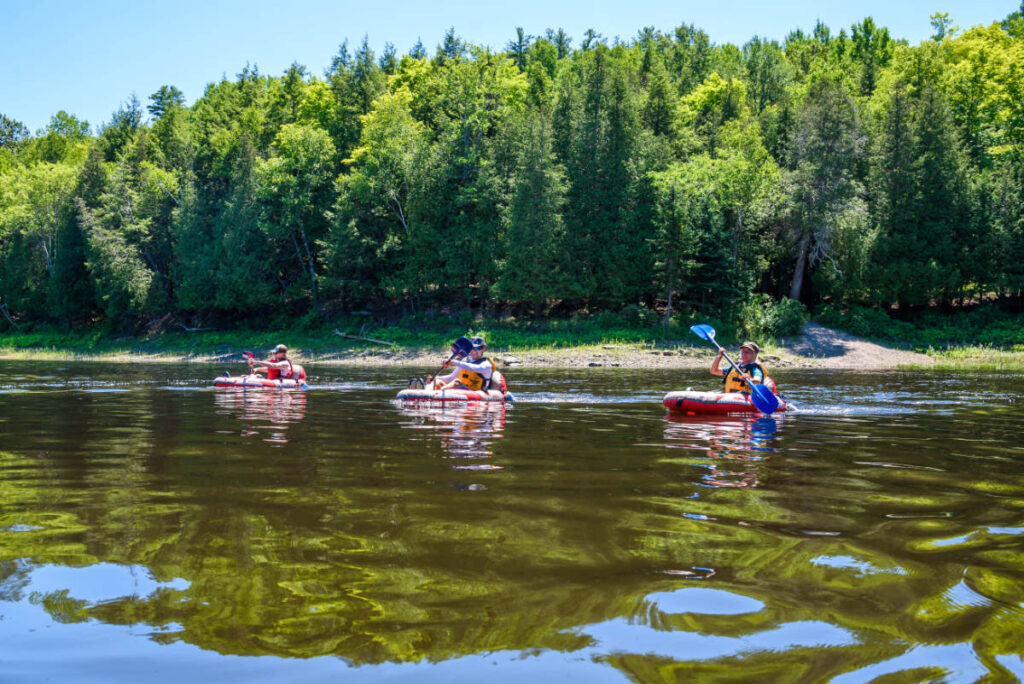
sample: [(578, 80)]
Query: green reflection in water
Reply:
[(341, 525)]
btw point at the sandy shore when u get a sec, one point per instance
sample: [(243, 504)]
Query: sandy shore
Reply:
[(816, 347)]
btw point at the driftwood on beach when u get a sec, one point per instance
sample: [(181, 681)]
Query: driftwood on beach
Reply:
[(364, 339)]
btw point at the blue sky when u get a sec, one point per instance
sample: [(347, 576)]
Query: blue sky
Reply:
[(89, 57)]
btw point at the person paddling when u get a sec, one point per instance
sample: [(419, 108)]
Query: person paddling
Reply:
[(279, 366), (734, 381), (474, 373)]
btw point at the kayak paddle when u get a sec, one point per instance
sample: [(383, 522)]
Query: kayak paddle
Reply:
[(760, 396)]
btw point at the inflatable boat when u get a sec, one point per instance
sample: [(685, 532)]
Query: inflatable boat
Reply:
[(426, 395), (418, 393), (692, 401), (258, 382)]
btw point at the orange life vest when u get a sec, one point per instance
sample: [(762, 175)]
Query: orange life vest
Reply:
[(475, 381), (734, 382)]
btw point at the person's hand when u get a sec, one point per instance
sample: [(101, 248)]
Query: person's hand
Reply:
[(721, 353), (446, 363)]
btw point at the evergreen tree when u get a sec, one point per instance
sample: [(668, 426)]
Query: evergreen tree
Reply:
[(825, 149), (534, 271), (518, 47), (768, 73)]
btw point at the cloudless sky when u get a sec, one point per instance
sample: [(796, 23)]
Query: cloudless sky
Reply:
[(89, 57)]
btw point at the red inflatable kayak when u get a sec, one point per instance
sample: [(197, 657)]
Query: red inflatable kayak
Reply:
[(258, 382), (691, 401), (453, 395), (433, 395)]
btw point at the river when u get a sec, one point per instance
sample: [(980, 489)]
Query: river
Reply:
[(153, 528)]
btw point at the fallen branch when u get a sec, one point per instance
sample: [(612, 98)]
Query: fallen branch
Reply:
[(188, 329), (364, 339)]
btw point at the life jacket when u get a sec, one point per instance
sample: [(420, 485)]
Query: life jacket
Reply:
[(734, 382), (475, 381), (278, 374)]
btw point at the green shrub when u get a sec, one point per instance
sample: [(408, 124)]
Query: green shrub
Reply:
[(764, 318)]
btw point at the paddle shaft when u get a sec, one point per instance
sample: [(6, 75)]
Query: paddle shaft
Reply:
[(443, 366)]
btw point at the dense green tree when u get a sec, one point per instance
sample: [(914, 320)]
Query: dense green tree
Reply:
[(872, 51), (561, 40), (611, 174), (943, 26), (767, 72), (601, 152), (165, 100), (11, 132), (295, 186), (534, 271), (61, 138), (825, 149), (518, 47), (691, 57), (388, 59), (121, 130), (371, 223)]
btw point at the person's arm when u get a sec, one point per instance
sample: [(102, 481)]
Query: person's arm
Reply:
[(756, 376), (715, 370), (483, 368), (451, 376), (264, 365)]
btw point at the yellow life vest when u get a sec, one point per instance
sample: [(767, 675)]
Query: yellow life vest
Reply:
[(734, 382), (475, 381)]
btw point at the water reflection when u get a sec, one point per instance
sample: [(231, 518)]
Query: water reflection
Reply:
[(139, 542), (264, 414), (466, 432), (733, 443)]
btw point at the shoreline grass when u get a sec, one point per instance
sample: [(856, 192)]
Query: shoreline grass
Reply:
[(973, 357)]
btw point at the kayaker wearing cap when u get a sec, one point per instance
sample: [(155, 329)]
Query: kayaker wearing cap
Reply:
[(473, 373), (278, 367), (734, 381)]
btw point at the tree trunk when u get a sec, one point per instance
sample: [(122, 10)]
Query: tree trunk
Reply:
[(801, 267), (668, 308), (7, 315), (312, 269)]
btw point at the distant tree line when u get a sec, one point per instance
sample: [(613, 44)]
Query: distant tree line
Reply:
[(666, 172)]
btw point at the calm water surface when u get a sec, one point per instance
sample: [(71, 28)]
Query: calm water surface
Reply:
[(154, 529)]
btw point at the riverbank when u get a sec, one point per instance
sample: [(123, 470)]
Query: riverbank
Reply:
[(816, 347)]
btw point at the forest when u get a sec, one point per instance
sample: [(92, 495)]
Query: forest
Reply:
[(665, 175)]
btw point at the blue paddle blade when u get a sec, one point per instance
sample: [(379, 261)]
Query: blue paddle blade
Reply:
[(763, 399), (703, 331), (462, 346)]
